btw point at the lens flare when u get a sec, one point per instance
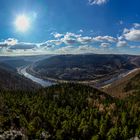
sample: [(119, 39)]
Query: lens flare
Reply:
[(22, 23)]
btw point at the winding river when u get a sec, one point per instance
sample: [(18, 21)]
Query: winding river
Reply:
[(43, 83), (46, 83)]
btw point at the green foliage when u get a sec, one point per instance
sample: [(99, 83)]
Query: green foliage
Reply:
[(69, 111)]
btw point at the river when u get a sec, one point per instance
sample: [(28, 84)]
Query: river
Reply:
[(46, 83), (43, 83)]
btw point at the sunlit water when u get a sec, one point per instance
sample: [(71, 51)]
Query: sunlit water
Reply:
[(43, 83)]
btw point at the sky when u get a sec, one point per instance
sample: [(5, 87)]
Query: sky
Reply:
[(69, 27)]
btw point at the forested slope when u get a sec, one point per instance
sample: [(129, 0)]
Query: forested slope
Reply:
[(68, 111)]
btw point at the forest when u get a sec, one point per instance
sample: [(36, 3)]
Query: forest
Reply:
[(68, 112)]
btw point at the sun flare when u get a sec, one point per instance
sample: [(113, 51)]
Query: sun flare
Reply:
[(22, 23)]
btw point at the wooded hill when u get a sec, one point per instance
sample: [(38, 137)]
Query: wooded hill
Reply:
[(68, 111)]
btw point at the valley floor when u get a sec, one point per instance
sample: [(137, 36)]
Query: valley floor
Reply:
[(107, 85)]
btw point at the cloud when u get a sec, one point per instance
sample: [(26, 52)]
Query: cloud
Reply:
[(125, 30), (70, 38), (136, 25), (134, 47), (86, 49), (61, 44), (121, 43), (73, 39), (74, 43), (105, 45), (97, 2), (69, 41), (65, 50), (69, 34), (50, 43), (105, 38), (57, 35), (76, 50), (2, 44), (82, 49), (81, 31), (132, 35), (11, 41), (8, 42), (84, 40), (23, 46)]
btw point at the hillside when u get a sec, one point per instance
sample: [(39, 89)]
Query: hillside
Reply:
[(16, 63), (84, 67), (124, 86), (67, 111), (133, 86), (9, 79)]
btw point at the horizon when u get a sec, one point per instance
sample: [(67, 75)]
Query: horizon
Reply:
[(69, 27)]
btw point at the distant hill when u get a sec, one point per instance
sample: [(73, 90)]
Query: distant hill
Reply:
[(10, 79), (16, 63), (85, 67)]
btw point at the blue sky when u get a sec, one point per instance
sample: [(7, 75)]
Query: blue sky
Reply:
[(70, 26)]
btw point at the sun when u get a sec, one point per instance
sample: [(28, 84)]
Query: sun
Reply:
[(22, 23)]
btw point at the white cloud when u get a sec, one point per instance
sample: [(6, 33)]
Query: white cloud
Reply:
[(50, 43), (57, 35), (105, 38), (120, 37), (121, 43), (105, 45), (133, 47), (136, 25), (86, 49), (11, 41), (73, 43), (70, 38), (77, 50), (125, 30), (81, 31), (64, 50), (85, 39), (69, 41), (97, 2), (69, 34), (132, 35)]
